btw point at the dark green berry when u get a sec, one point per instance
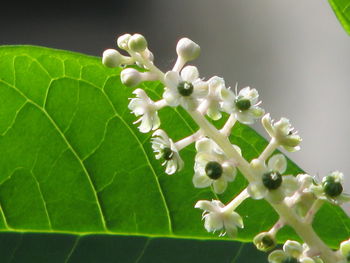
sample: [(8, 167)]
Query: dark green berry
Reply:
[(243, 104), (332, 189), (272, 180), (290, 260), (167, 154), (185, 88), (213, 170)]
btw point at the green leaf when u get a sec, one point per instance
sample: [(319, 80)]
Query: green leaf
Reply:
[(54, 248), (72, 162), (342, 10)]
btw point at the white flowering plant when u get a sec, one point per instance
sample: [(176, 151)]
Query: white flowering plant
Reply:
[(296, 198)]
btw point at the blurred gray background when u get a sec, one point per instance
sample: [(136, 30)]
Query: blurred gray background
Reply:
[(294, 52)]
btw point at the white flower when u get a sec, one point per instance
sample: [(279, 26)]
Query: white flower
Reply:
[(292, 252), (216, 84), (269, 181), (244, 105), (331, 189), (345, 250), (184, 88), (165, 149), (282, 132), (212, 167), (218, 218), (143, 106)]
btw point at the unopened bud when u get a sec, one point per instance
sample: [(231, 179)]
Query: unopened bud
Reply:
[(187, 49), (137, 43), (130, 77), (292, 248), (264, 241), (112, 58), (123, 40)]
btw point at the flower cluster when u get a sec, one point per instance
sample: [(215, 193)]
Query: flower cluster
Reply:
[(217, 161)]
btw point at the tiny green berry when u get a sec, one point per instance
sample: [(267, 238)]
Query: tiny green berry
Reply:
[(167, 154), (272, 180), (332, 189), (213, 170), (185, 88), (243, 104)]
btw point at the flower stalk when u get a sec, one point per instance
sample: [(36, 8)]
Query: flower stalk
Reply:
[(217, 159)]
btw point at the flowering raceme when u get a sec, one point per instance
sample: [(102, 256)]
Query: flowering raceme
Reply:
[(295, 198)]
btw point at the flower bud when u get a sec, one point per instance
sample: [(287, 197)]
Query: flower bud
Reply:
[(187, 49), (293, 248), (137, 43), (123, 40), (112, 58), (264, 241), (130, 77)]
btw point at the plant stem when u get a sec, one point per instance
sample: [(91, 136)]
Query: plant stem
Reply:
[(270, 148), (236, 201), (309, 217), (226, 130), (180, 62), (188, 140)]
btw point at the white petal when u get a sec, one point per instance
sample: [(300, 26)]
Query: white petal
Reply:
[(293, 248), (305, 180), (204, 157), (171, 167), (229, 172), (256, 112), (137, 106), (289, 184), (267, 123), (215, 82), (220, 185), (244, 117), (178, 160), (200, 89), (213, 222), (189, 73), (162, 134), (172, 98), (201, 181), (277, 163), (204, 145), (257, 190), (214, 111), (277, 256), (207, 206), (155, 121), (172, 79), (234, 220), (146, 124)]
